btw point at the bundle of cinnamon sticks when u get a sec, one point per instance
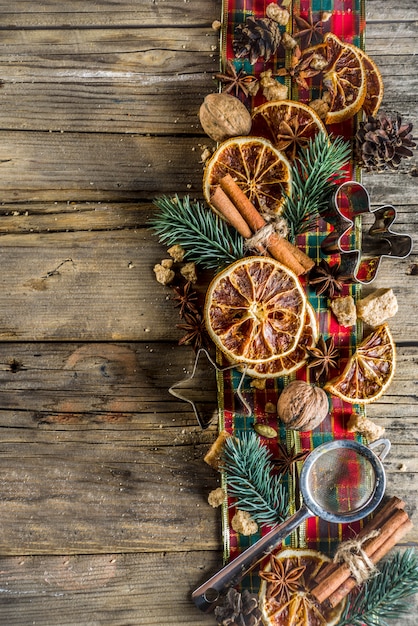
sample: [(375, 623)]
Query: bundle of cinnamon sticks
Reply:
[(334, 581), (232, 203)]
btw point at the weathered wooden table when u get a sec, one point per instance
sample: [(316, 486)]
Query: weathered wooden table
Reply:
[(103, 511)]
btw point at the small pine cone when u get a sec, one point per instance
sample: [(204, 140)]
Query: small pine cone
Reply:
[(257, 38), (239, 609), (383, 141)]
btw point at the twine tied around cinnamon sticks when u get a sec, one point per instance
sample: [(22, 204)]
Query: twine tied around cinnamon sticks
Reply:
[(335, 581), (351, 552), (232, 203)]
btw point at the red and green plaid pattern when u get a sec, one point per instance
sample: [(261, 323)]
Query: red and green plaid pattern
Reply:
[(347, 22)]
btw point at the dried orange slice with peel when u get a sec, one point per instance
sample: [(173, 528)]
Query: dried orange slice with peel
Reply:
[(285, 365), (287, 124), (369, 371), (261, 171), (343, 77), (291, 604), (374, 82), (255, 310)]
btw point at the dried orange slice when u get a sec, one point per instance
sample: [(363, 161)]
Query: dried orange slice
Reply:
[(369, 371), (285, 365), (259, 169), (287, 124), (290, 603), (255, 310), (374, 81), (343, 77)]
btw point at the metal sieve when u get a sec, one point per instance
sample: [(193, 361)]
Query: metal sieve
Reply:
[(341, 481)]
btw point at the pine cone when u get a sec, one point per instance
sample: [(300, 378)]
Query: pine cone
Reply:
[(258, 37), (383, 141), (239, 609)]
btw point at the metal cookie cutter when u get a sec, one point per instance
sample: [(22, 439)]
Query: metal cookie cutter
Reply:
[(199, 389), (349, 201)]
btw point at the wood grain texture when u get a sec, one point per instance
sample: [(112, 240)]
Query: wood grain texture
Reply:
[(103, 490)]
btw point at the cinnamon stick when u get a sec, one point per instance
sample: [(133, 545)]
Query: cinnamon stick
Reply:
[(332, 582), (227, 209), (376, 522), (344, 589), (281, 249)]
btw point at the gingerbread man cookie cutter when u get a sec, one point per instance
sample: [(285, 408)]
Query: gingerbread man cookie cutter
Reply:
[(350, 201)]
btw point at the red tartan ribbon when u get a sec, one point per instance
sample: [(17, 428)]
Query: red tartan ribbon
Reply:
[(348, 23)]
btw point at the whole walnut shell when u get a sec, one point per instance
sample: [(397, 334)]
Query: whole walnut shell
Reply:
[(223, 116), (302, 406)]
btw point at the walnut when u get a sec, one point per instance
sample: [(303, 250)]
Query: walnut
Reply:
[(277, 14), (344, 309), (176, 252), (216, 497), (164, 275), (243, 523), (189, 272), (167, 263), (361, 424), (302, 406), (223, 116)]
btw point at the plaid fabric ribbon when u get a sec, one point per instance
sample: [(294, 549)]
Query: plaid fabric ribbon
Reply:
[(347, 22)]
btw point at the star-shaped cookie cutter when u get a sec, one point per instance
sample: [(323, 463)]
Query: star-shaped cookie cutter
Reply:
[(201, 394), (351, 200)]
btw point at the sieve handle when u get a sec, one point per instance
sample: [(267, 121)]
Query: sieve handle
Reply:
[(384, 444), (206, 596)]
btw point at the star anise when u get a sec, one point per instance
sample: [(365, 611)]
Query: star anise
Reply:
[(310, 32), (237, 81), (282, 580), (298, 71), (322, 358), (287, 459), (195, 329), (327, 279), (185, 299)]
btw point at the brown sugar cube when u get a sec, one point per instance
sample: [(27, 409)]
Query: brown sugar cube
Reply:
[(164, 275), (377, 307), (344, 310), (243, 523), (189, 272), (216, 497), (361, 424), (213, 455)]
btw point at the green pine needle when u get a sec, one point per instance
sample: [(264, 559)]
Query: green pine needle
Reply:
[(205, 237), (383, 596), (246, 462), (314, 174)]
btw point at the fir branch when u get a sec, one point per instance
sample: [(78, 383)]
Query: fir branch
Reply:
[(314, 174), (383, 596), (246, 462), (206, 238)]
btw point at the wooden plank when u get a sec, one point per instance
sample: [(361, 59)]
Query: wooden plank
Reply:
[(26, 14), (104, 589), (88, 166), (104, 498), (62, 286), (110, 589)]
